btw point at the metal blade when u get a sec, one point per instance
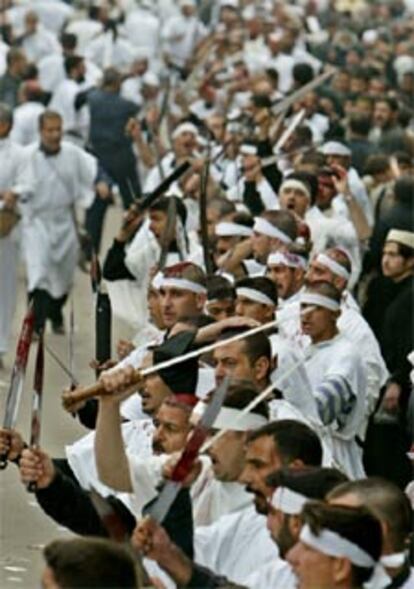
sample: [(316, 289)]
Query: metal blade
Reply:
[(13, 398), (37, 396), (112, 522), (169, 233), (171, 489)]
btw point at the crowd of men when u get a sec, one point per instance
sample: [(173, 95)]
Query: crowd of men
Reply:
[(263, 153)]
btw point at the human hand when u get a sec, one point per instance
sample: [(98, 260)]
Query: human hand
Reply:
[(36, 467), (11, 443), (124, 348)]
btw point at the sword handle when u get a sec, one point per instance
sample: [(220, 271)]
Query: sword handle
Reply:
[(3, 461)]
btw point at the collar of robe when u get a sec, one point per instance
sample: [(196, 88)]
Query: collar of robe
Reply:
[(48, 152)]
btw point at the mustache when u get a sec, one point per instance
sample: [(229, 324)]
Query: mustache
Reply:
[(250, 489), (157, 447)]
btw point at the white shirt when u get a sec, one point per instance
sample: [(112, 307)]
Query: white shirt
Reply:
[(235, 545), (52, 72), (181, 35), (26, 122), (40, 44), (277, 574), (63, 101)]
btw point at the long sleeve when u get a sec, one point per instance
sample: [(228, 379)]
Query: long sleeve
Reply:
[(334, 399), (114, 266)]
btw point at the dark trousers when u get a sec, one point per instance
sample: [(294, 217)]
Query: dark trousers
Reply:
[(122, 167), (94, 221), (46, 307)]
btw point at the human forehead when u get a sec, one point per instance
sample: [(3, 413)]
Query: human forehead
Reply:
[(172, 415), (262, 450), (293, 190), (391, 248), (230, 350), (175, 292)]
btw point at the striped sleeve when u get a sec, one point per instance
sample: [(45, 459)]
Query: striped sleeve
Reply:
[(334, 399)]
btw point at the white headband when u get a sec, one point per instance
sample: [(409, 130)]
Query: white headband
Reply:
[(333, 266), (157, 281), (265, 228), (395, 560), (232, 419), (311, 298), (247, 149), (184, 128), (288, 501), (183, 284), (296, 185), (227, 229), (332, 544), (286, 259), (255, 295)]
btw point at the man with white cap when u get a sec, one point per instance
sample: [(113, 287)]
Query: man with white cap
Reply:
[(181, 35), (337, 153), (337, 376), (396, 334), (253, 189), (184, 145)]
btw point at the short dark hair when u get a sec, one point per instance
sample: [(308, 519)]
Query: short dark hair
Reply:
[(355, 524), (261, 283), (90, 562), (163, 202), (390, 101), (71, 62), (283, 220), (302, 73), (48, 115), (222, 205), (360, 123), (312, 482), (294, 441), (256, 345), (219, 288), (68, 40), (326, 289), (241, 393), (386, 501)]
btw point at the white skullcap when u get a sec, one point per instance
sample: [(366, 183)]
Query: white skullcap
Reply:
[(141, 53), (187, 3), (229, 4), (335, 148), (150, 79), (369, 37), (403, 237), (404, 64), (184, 128)]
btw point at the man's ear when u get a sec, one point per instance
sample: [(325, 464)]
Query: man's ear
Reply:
[(261, 367), (342, 570), (201, 299)]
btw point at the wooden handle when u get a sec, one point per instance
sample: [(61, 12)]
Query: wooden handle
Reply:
[(70, 398)]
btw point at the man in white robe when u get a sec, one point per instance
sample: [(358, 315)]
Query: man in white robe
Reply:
[(63, 177), (37, 40), (26, 116), (75, 115), (14, 187), (337, 376)]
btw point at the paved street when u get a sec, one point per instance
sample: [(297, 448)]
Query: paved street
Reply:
[(24, 528)]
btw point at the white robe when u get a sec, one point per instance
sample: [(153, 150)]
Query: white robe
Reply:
[(63, 102), (181, 35), (137, 436), (40, 44), (235, 545), (26, 123), (13, 176), (353, 325), (338, 357), (52, 72), (50, 242)]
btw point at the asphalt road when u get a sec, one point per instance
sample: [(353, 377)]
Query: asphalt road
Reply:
[(24, 528)]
